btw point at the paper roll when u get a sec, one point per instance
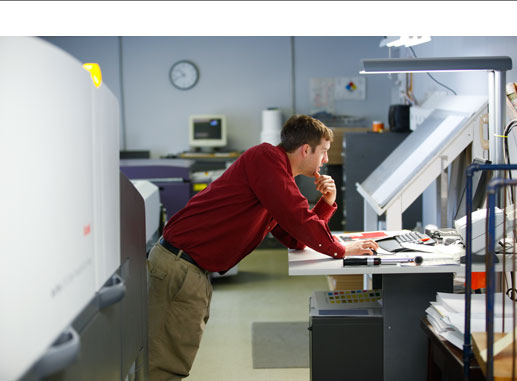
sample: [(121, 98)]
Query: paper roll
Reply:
[(271, 126), (270, 137), (271, 120)]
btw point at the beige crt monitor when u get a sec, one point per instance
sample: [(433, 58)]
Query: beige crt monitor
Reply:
[(207, 131)]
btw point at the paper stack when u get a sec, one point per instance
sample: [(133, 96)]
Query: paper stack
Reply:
[(447, 315)]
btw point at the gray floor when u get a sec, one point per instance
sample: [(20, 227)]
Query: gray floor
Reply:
[(261, 291)]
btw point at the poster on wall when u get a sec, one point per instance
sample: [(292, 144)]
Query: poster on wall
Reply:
[(325, 91), (350, 88), (322, 94)]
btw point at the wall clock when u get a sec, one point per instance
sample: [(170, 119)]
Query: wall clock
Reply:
[(184, 75)]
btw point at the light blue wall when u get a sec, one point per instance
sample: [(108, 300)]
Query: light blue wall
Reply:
[(240, 76), (475, 83), (341, 57)]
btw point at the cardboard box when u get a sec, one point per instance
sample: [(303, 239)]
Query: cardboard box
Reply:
[(345, 282), (336, 148)]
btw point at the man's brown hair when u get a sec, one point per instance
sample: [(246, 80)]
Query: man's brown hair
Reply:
[(303, 129)]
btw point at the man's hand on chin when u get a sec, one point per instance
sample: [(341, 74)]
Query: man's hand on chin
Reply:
[(326, 186)]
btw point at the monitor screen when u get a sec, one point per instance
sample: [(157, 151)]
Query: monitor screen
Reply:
[(207, 131), (480, 181)]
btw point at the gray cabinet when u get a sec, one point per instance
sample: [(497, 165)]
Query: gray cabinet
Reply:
[(362, 154)]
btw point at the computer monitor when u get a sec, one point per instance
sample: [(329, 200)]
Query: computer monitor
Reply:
[(480, 181), (207, 131)]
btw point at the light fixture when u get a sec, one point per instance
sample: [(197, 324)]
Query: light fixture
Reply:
[(407, 41), (495, 66)]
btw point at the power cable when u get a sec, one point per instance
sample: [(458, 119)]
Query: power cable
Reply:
[(430, 76)]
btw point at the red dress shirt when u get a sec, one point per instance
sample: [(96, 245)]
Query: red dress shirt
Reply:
[(256, 195)]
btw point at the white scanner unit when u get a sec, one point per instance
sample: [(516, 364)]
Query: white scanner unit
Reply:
[(479, 228)]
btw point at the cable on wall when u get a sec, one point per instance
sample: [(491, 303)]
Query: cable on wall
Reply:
[(430, 76), (122, 103)]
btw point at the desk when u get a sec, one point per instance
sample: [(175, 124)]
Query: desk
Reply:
[(445, 361), (407, 292)]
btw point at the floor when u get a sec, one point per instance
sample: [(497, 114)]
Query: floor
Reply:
[(261, 291)]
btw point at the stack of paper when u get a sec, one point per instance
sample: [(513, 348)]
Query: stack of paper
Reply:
[(447, 315)]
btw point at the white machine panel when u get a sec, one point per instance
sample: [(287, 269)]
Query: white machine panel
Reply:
[(151, 195), (106, 196), (46, 245), (479, 229)]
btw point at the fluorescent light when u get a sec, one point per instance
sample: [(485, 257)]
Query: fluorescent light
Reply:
[(407, 41), (440, 64), (416, 40)]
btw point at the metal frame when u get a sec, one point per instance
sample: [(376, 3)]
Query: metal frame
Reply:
[(492, 191), (467, 346), (496, 66)]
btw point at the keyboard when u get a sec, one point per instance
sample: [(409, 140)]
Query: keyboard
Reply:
[(394, 244), (415, 237)]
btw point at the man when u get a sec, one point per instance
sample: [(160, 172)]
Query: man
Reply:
[(227, 221)]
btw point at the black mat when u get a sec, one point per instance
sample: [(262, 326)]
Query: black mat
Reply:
[(280, 345)]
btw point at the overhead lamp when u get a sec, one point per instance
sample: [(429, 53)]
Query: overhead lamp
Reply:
[(496, 67), (443, 64), (407, 41)]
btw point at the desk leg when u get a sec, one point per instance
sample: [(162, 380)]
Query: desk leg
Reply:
[(405, 299)]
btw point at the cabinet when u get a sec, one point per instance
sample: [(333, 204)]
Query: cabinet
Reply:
[(362, 153), (334, 168)]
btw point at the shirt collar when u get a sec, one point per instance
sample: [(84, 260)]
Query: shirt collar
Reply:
[(288, 163)]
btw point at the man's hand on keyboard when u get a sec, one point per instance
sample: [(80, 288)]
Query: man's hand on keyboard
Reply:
[(361, 247)]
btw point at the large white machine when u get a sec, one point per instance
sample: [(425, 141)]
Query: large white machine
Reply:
[(60, 203)]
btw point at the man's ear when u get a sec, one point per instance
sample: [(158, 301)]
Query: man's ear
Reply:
[(305, 149)]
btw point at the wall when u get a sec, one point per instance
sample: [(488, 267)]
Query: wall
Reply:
[(475, 83), (240, 76)]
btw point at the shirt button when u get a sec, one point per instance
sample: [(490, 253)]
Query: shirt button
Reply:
[(319, 245), (335, 254)]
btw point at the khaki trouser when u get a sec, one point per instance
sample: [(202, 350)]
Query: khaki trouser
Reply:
[(179, 305)]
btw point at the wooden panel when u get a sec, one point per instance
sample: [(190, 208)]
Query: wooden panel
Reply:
[(502, 362), (337, 145)]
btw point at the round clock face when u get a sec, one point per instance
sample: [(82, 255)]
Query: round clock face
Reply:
[(184, 75)]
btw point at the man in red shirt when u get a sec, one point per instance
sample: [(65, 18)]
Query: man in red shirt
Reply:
[(225, 222)]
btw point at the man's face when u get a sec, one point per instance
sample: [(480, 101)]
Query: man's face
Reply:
[(316, 159)]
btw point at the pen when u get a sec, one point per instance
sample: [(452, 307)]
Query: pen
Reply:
[(375, 261)]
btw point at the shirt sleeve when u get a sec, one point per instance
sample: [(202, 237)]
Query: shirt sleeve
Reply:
[(322, 209), (274, 186)]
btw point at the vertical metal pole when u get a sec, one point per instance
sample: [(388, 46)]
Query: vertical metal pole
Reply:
[(500, 114), (491, 117), (490, 281), (493, 188), (467, 347)]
